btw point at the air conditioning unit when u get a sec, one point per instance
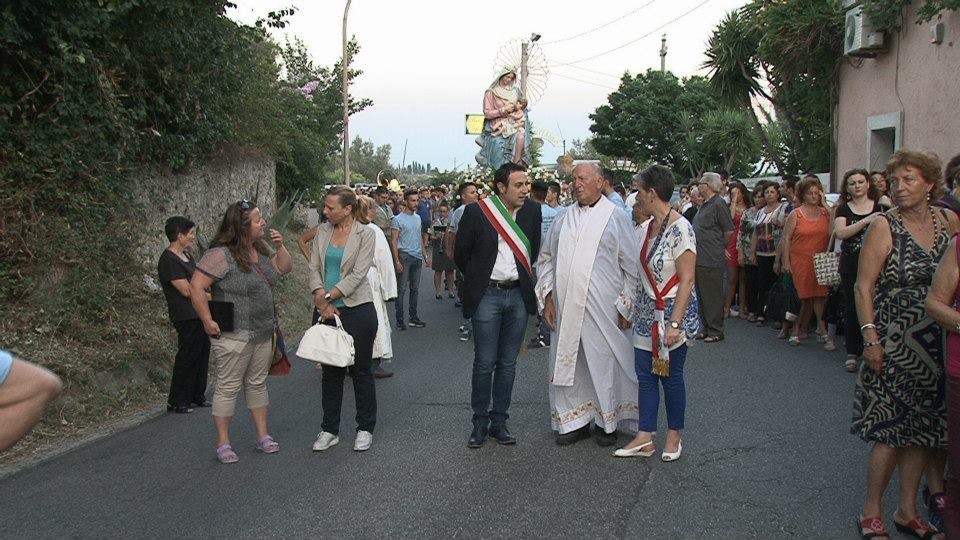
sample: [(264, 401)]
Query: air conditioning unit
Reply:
[(860, 39)]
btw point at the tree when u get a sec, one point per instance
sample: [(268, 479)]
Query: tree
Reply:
[(368, 160), (786, 53), (656, 117), (584, 149), (312, 118)]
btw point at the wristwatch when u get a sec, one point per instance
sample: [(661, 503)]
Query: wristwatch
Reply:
[(675, 325), (327, 297)]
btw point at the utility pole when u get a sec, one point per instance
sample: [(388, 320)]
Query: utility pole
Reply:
[(346, 100), (663, 54), (404, 161)]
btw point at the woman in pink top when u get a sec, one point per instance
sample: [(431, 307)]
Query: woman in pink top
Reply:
[(944, 293)]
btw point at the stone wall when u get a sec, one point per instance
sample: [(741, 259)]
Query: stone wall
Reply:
[(202, 195)]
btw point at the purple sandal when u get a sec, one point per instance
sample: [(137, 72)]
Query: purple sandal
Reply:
[(226, 454), (267, 445)]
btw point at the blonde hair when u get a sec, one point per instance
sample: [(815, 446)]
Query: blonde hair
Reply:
[(366, 204), (347, 197)]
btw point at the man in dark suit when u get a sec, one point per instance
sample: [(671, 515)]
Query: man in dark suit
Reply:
[(498, 240)]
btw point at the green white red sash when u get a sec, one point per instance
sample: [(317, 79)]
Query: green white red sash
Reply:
[(508, 229)]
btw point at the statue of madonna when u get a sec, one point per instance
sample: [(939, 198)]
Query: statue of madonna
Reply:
[(506, 129)]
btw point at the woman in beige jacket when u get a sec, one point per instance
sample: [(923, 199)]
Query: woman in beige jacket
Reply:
[(340, 257)]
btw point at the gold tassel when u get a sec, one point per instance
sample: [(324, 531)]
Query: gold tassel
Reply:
[(661, 367)]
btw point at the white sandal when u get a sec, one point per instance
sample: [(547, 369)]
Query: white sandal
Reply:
[(672, 456), (636, 451)]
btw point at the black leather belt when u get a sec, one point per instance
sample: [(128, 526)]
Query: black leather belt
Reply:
[(504, 284)]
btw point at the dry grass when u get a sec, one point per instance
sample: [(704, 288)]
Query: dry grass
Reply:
[(119, 368)]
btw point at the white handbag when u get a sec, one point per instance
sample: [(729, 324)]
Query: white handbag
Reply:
[(328, 345)]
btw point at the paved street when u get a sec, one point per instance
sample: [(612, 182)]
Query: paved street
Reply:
[(766, 454)]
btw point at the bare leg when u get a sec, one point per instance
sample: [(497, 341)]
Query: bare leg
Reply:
[(450, 282), (799, 328), (222, 424), (911, 461), (673, 441), (936, 465), (818, 306), (880, 466), (642, 437), (23, 397), (437, 278), (732, 280), (260, 422)]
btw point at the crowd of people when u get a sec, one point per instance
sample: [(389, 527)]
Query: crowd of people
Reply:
[(619, 282)]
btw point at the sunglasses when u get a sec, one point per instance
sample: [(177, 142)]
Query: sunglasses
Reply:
[(246, 205)]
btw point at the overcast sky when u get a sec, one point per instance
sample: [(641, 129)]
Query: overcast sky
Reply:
[(426, 63)]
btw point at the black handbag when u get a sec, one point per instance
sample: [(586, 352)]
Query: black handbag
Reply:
[(222, 313)]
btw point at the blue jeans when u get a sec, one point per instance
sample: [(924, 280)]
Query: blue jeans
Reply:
[(674, 389), (498, 327), (409, 277)]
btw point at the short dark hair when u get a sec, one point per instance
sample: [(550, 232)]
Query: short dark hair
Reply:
[(554, 186), (951, 172), (724, 174), (176, 226), (608, 176), (539, 189), (381, 190), (790, 180), (410, 191), (462, 187), (659, 179), (502, 174)]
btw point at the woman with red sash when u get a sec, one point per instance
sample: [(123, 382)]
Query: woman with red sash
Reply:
[(664, 314)]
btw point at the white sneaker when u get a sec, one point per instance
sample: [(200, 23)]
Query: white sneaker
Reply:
[(325, 440), (363, 442)]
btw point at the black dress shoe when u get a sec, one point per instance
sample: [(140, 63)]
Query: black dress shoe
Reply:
[(477, 437), (574, 436), (179, 409), (381, 373), (603, 438), (501, 435)]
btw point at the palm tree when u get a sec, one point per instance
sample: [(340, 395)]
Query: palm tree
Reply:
[(734, 69)]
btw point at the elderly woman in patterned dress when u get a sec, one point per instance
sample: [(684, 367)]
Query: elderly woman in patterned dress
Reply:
[(899, 403)]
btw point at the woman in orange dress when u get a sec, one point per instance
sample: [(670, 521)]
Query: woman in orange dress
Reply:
[(806, 233)]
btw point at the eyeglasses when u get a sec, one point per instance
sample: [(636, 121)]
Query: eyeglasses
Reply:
[(246, 205)]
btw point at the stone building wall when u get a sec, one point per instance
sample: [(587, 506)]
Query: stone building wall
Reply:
[(202, 195)]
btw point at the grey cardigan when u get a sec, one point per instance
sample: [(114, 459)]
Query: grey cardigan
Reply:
[(357, 259)]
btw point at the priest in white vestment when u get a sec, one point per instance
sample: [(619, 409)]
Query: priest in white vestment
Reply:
[(587, 277), (383, 283)]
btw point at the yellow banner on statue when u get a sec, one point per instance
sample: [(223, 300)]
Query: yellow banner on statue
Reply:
[(473, 124)]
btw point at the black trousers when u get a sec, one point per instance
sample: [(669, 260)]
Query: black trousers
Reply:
[(851, 323), (766, 277), (750, 304), (361, 323), (189, 381)]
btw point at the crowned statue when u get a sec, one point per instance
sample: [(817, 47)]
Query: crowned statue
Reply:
[(506, 127)]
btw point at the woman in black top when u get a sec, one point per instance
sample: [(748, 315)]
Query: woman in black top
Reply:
[(189, 381), (858, 208)]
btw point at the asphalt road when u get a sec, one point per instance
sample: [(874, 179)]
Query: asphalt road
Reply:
[(766, 454)]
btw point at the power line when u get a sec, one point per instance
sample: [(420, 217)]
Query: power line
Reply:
[(631, 42), (582, 81), (611, 75), (604, 25)]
